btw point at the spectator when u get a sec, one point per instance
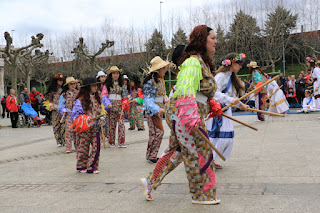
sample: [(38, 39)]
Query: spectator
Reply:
[(35, 96), (309, 85), (24, 97), (4, 107), (308, 76), (300, 87), (286, 84), (291, 98), (12, 105)]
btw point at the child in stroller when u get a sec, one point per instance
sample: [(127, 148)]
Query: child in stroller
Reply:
[(30, 116)]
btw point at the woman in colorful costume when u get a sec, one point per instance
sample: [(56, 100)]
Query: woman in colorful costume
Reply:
[(52, 104), (258, 78), (136, 117), (85, 116), (116, 101), (154, 98), (67, 98), (188, 108), (229, 87)]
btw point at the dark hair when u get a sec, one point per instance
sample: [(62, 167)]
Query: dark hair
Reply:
[(236, 82), (109, 81), (197, 45), (53, 87), (153, 75), (84, 97), (137, 83)]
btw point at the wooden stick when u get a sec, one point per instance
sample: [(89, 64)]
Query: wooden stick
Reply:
[(103, 137), (210, 144), (62, 117), (256, 89), (240, 122), (262, 111), (274, 92)]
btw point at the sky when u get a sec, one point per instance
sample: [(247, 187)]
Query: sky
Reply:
[(33, 16)]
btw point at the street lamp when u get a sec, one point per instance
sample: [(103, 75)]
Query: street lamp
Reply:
[(161, 17)]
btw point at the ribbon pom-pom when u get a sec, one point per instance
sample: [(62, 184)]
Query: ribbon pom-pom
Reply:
[(125, 104), (215, 109), (81, 124)]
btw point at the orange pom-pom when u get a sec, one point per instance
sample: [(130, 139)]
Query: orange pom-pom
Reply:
[(258, 85), (215, 109)]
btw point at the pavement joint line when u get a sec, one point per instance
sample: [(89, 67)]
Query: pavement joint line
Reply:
[(27, 143)]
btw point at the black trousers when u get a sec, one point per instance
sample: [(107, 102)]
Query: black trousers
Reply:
[(14, 119), (300, 96), (4, 109)]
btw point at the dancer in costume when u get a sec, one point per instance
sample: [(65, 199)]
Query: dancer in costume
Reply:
[(154, 98), (187, 109), (116, 102), (229, 87), (278, 101), (136, 117), (85, 116), (258, 78), (102, 88), (52, 104), (308, 104), (67, 98)]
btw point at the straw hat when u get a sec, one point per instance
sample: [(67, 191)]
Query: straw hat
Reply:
[(114, 69), (100, 73), (70, 80), (157, 63), (58, 76), (253, 64)]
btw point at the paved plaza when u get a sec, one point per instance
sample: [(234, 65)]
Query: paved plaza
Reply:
[(275, 169)]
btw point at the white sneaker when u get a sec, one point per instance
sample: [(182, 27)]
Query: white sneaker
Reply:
[(83, 171), (146, 189), (96, 172), (211, 202), (59, 145)]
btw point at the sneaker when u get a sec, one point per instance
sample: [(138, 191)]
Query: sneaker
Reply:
[(146, 189), (210, 202), (96, 171), (68, 151), (122, 146), (153, 161), (218, 166), (112, 145), (140, 129), (131, 129), (59, 145), (83, 171)]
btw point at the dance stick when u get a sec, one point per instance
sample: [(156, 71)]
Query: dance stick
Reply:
[(256, 89), (62, 117), (262, 111), (240, 122), (209, 143), (274, 92)]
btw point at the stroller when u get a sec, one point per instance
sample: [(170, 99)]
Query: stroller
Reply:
[(28, 116)]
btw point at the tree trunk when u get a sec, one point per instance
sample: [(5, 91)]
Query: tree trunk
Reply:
[(14, 78), (28, 81), (1, 81), (273, 66)]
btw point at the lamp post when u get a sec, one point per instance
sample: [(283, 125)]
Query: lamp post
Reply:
[(161, 17)]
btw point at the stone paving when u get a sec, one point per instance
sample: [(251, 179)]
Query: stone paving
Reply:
[(272, 170)]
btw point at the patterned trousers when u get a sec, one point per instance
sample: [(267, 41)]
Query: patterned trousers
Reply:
[(58, 128), (198, 161), (135, 117), (156, 132), (113, 119), (86, 160), (260, 104), (70, 136)]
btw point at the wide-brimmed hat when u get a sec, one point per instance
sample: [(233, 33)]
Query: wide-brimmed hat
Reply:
[(114, 69), (125, 77), (100, 73), (89, 81), (253, 64), (156, 64), (70, 80), (58, 76)]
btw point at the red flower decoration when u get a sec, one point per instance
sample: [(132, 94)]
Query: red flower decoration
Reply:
[(215, 109)]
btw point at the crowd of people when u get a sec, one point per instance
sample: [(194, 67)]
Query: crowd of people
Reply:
[(83, 114)]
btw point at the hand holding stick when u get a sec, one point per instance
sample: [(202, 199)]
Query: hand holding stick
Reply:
[(62, 117), (274, 92)]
